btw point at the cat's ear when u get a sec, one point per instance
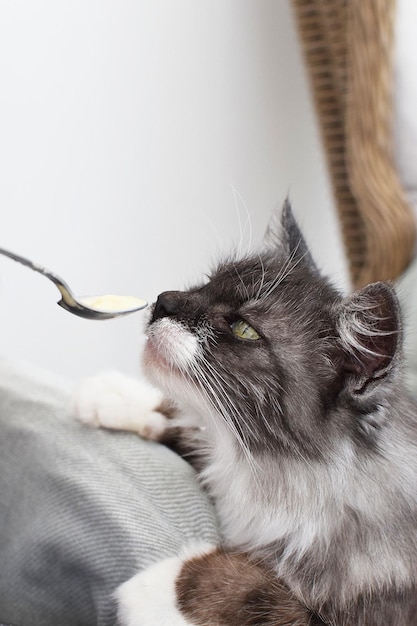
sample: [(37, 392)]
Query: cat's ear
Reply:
[(283, 233), (369, 325)]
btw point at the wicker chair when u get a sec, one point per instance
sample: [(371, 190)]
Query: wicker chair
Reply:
[(348, 51)]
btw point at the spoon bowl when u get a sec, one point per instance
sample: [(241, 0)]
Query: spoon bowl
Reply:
[(90, 307)]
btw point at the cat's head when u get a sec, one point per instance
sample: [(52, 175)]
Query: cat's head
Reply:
[(270, 348)]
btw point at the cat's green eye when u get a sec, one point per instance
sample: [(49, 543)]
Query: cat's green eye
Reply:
[(243, 330)]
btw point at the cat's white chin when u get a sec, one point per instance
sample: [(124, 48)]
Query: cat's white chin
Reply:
[(170, 346)]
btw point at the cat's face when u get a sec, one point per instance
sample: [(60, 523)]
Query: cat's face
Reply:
[(260, 347)]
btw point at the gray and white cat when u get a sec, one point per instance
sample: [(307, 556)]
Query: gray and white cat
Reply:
[(290, 399)]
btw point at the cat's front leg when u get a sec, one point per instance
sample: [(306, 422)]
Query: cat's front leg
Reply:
[(209, 586), (113, 400)]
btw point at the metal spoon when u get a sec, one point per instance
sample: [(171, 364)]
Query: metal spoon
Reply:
[(91, 307)]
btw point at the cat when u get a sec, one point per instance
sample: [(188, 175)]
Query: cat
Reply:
[(289, 399)]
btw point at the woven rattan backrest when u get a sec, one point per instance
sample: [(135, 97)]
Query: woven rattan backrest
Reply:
[(348, 48)]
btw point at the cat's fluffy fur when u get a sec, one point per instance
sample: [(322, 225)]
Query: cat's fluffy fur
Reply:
[(303, 435)]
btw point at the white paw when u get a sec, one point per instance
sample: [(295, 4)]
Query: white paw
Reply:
[(115, 401), (149, 598)]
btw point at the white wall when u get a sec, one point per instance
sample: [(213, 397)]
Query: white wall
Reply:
[(136, 136), (405, 97)]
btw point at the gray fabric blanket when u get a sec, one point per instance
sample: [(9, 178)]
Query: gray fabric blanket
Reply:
[(81, 510)]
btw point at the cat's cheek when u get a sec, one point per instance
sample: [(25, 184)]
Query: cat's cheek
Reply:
[(170, 354), (153, 358), (156, 368), (150, 597)]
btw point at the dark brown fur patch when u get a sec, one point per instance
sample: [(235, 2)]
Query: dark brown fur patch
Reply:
[(167, 408), (225, 588), (179, 439)]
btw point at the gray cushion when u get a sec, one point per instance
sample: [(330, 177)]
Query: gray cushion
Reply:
[(81, 510)]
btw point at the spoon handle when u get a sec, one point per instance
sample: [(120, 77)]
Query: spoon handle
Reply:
[(62, 286), (22, 260)]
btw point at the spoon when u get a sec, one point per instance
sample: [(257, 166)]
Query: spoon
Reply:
[(91, 307)]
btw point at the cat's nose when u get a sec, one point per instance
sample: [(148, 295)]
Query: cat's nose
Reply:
[(167, 304)]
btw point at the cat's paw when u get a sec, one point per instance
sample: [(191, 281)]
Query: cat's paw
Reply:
[(150, 599), (112, 400)]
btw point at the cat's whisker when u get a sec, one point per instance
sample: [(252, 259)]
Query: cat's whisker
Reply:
[(238, 434), (261, 285), (240, 244), (276, 281), (284, 273), (213, 404), (292, 268), (216, 391), (238, 196), (246, 293), (218, 236)]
